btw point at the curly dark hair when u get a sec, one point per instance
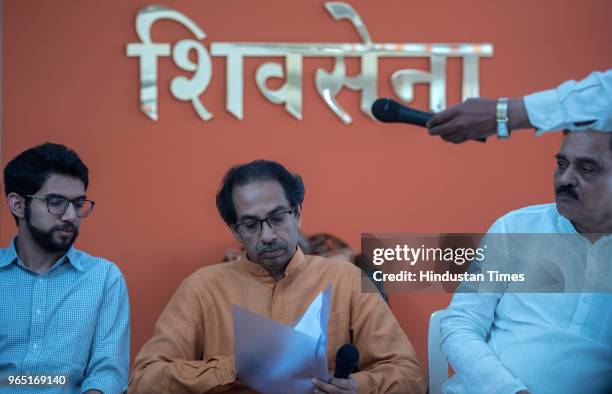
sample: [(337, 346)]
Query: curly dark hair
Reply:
[(30, 169)]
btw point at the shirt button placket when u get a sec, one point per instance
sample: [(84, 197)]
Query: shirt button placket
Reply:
[(589, 285), (37, 330)]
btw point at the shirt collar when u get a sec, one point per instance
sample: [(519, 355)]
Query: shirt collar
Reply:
[(10, 254), (73, 258), (567, 225)]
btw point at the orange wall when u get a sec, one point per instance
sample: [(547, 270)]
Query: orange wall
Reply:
[(66, 78)]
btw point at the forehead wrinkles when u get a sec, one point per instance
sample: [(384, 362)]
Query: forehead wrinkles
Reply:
[(588, 145), (258, 198)]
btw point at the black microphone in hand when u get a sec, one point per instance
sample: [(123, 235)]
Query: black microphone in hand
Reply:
[(347, 358), (390, 111)]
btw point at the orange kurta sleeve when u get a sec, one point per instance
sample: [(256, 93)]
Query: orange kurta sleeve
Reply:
[(387, 357), (171, 361)]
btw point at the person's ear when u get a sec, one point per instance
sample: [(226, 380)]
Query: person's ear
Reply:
[(236, 234), (16, 204), (298, 215)]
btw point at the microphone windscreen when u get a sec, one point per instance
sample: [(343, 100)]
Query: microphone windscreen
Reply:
[(386, 110), (347, 358)]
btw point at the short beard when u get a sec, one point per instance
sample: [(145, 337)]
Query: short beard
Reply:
[(45, 240)]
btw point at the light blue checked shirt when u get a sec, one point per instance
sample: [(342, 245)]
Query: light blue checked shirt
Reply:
[(71, 321)]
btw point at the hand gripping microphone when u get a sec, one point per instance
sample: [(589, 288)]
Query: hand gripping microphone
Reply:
[(347, 358), (390, 111)]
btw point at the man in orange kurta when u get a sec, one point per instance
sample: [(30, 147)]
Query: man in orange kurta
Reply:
[(192, 349)]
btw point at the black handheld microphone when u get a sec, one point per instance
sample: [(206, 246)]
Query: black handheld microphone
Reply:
[(390, 111), (347, 358)]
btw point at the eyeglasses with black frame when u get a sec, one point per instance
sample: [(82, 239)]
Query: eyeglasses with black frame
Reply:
[(58, 205), (254, 227)]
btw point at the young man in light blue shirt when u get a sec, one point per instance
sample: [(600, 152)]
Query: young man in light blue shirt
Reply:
[(64, 325)]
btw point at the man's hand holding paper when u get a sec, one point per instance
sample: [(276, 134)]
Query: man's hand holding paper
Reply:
[(275, 358)]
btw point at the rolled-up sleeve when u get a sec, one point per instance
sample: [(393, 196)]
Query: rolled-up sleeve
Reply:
[(389, 360), (573, 105)]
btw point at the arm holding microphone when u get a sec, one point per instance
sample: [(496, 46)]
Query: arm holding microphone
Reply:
[(337, 386), (475, 119), (387, 360), (390, 111), (573, 105), (347, 359)]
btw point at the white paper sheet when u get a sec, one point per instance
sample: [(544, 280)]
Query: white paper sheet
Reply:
[(274, 358)]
